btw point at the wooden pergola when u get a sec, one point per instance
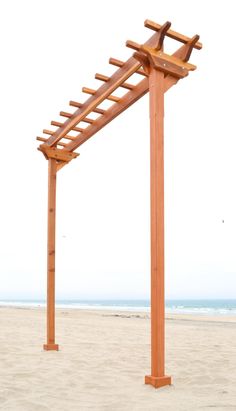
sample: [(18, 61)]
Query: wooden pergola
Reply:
[(158, 72)]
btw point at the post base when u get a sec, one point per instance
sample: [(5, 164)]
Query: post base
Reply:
[(158, 382), (51, 347)]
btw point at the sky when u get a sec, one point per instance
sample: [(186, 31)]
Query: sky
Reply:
[(49, 51)]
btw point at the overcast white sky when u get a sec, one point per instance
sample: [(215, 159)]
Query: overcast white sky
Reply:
[(49, 50)]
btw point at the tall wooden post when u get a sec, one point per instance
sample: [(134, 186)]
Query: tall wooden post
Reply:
[(52, 174), (156, 90)]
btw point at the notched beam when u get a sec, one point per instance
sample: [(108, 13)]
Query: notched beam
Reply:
[(174, 66), (57, 154), (175, 60)]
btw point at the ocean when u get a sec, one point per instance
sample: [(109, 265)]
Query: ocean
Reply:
[(208, 307)]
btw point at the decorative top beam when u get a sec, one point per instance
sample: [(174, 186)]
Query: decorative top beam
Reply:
[(170, 33)]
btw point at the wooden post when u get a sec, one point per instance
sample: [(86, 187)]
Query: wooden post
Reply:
[(156, 90), (52, 174)]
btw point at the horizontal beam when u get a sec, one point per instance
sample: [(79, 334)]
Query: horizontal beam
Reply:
[(172, 34), (44, 140), (159, 53), (93, 92), (59, 124), (175, 60), (50, 132), (57, 154), (133, 45), (66, 114), (70, 115), (101, 77), (79, 105)]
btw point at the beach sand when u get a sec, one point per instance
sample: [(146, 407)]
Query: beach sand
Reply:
[(104, 357)]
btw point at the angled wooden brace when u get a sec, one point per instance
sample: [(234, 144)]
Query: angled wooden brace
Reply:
[(161, 35), (188, 48)]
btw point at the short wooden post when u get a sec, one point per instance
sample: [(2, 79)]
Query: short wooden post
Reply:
[(52, 173), (156, 90)]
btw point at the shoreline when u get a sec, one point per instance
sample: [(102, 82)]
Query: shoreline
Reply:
[(224, 308), (123, 313)]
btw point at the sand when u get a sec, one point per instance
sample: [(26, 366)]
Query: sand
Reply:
[(104, 356)]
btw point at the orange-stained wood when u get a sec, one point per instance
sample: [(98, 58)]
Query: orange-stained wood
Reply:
[(119, 63), (52, 174), (79, 105), (161, 71), (57, 154), (130, 98), (70, 115), (93, 92), (101, 77), (132, 45), (101, 94), (119, 77), (44, 140), (126, 101), (59, 124), (50, 132), (157, 90), (167, 58), (172, 34)]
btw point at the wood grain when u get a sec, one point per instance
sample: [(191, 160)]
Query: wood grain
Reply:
[(156, 89), (52, 174)]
